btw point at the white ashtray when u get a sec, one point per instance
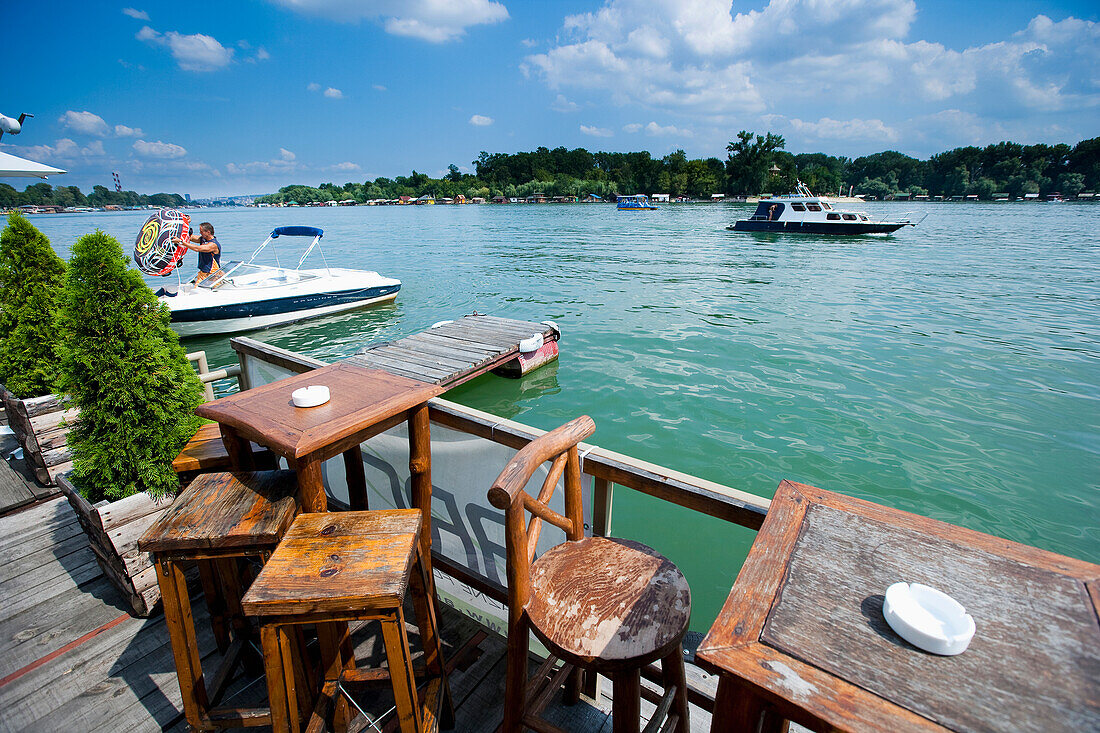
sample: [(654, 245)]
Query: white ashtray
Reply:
[(310, 396), (928, 619)]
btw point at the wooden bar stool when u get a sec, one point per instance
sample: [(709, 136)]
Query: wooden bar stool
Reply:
[(604, 605), (332, 568), (218, 520)]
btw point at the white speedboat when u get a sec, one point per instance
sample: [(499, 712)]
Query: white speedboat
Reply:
[(803, 212), (243, 296)]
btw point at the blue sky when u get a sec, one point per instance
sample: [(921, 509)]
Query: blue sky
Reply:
[(244, 96)]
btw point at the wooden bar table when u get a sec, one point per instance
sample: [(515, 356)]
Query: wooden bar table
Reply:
[(802, 636), (363, 402)]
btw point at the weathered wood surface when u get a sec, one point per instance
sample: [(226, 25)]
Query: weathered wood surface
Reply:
[(802, 631), (224, 510), (41, 425), (338, 561), (1005, 680), (455, 352), (359, 398)]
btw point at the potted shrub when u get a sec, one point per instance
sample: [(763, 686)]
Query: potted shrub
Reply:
[(123, 367), (31, 280)]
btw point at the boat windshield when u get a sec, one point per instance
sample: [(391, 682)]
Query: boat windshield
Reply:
[(245, 275)]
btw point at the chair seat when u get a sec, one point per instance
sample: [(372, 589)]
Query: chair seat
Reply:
[(608, 603), (338, 562), (221, 511)]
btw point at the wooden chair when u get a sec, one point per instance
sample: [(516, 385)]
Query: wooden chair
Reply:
[(600, 604), (217, 521), (332, 568)]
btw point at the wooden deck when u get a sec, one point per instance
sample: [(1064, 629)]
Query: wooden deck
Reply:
[(453, 352), (72, 659), (17, 485)]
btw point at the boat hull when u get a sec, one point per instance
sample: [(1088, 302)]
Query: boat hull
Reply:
[(252, 316), (817, 227)]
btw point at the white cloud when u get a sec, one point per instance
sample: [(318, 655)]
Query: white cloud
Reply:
[(345, 166), (286, 154), (158, 149), (196, 52), (378, 87), (481, 121), (561, 104), (435, 21), (632, 128), (314, 87), (63, 149), (124, 131), (134, 13), (655, 130), (836, 67), (596, 131), (529, 42), (828, 129), (334, 93), (84, 122)]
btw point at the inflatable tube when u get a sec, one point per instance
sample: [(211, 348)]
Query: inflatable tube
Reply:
[(154, 252)]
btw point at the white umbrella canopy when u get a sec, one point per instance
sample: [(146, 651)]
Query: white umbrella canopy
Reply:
[(13, 166)]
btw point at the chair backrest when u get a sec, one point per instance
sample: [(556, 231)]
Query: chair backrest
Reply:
[(508, 493)]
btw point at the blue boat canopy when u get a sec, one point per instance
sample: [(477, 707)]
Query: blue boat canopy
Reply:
[(297, 232)]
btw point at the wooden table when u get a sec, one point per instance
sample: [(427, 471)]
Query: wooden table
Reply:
[(802, 636), (363, 403)]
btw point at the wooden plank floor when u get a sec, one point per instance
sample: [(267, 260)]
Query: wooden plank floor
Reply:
[(72, 659), (454, 352), (17, 485)]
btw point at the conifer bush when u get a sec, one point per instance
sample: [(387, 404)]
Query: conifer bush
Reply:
[(31, 279), (124, 368)]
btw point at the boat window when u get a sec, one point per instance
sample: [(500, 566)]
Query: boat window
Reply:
[(825, 206), (832, 216), (849, 217), (813, 207), (862, 217), (798, 207)]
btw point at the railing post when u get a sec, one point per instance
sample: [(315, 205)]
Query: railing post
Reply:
[(601, 506), (202, 368)]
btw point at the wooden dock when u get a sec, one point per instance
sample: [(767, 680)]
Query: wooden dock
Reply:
[(72, 659), (455, 351)]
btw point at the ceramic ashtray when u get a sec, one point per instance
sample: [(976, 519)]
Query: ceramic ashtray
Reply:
[(310, 396), (928, 619)]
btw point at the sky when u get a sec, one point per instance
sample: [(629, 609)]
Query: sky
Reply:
[(244, 96)]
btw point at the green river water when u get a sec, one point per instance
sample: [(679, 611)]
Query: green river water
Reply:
[(951, 370)]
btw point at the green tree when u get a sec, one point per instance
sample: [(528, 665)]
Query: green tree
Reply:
[(124, 368), (1071, 184), (749, 158), (31, 280)]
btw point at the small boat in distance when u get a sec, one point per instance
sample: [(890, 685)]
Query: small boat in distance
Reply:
[(803, 212), (243, 296), (638, 202)]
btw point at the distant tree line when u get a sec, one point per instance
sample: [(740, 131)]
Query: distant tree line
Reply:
[(749, 168), (43, 194)]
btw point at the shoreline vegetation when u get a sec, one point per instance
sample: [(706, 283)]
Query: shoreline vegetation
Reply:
[(754, 163)]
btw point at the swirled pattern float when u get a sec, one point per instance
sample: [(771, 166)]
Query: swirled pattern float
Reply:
[(154, 251)]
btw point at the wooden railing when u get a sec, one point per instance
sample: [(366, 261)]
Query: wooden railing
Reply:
[(208, 377)]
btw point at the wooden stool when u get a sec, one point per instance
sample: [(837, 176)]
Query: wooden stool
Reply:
[(206, 452), (350, 566), (219, 519), (605, 605)]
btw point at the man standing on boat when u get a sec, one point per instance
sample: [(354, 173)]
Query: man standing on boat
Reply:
[(208, 247)]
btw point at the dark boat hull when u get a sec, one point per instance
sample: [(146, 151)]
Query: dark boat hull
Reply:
[(816, 227)]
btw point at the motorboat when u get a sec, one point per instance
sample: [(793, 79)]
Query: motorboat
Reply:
[(639, 202), (242, 296), (803, 212)]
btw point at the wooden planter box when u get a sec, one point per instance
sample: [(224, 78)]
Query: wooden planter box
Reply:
[(113, 529), (41, 426)]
